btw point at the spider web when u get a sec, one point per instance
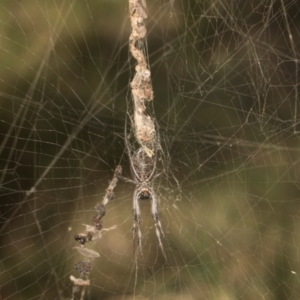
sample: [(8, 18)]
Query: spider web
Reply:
[(226, 80)]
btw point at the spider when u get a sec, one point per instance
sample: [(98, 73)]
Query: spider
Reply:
[(143, 169)]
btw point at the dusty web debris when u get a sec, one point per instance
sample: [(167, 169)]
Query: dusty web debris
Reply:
[(145, 136), (109, 192), (93, 232), (79, 281), (83, 267), (141, 85), (87, 252)]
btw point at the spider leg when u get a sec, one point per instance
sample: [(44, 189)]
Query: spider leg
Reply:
[(136, 214), (157, 223), (125, 179)]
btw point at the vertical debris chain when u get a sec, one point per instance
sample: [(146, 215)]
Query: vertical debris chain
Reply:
[(92, 232), (145, 135), (141, 85)]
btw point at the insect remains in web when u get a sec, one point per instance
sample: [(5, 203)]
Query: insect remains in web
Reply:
[(143, 170)]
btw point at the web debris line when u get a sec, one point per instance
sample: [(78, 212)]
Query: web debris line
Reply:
[(141, 85), (142, 160), (92, 233)]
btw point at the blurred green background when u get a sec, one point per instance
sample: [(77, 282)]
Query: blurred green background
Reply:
[(226, 83)]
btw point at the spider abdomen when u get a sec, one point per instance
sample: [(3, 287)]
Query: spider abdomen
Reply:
[(143, 166)]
